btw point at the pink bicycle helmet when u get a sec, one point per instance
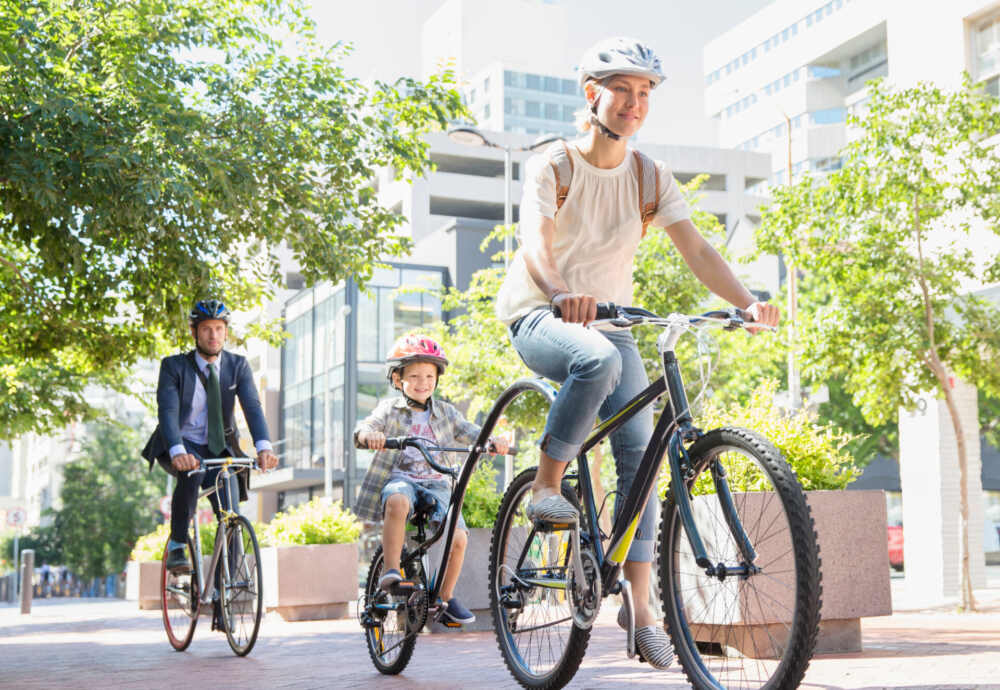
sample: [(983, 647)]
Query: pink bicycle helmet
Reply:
[(412, 348)]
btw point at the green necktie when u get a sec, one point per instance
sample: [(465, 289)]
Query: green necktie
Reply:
[(213, 402)]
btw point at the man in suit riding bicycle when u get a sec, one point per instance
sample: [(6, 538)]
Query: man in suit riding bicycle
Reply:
[(195, 397)]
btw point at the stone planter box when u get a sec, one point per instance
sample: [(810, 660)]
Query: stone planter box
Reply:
[(142, 583), (850, 526), (472, 587), (310, 582)]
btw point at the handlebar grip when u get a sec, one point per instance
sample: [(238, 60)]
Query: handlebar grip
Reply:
[(605, 310), (396, 443)]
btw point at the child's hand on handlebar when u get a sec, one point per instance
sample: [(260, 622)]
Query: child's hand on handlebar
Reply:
[(374, 440)]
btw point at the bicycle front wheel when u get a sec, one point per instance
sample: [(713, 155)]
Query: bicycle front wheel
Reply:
[(532, 614), (756, 628), (179, 600), (390, 621), (242, 596)]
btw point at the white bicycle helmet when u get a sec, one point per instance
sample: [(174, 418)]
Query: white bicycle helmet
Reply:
[(620, 56)]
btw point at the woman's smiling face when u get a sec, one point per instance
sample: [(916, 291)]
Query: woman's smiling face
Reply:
[(623, 103)]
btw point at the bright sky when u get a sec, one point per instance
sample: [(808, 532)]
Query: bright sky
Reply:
[(386, 37)]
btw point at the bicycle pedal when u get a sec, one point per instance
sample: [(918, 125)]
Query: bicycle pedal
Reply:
[(545, 526), (451, 624), (403, 588)]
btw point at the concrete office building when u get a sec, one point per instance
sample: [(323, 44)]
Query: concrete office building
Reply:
[(809, 62)]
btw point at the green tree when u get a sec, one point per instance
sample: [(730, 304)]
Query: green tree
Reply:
[(888, 237), (44, 540), (108, 501), (157, 151)]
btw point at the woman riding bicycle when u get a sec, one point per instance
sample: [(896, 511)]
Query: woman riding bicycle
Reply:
[(577, 249)]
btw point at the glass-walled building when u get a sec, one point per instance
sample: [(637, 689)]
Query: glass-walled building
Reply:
[(333, 373)]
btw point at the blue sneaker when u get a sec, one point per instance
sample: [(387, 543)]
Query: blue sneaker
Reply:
[(456, 614)]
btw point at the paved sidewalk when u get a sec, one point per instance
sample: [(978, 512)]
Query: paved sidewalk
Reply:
[(101, 643)]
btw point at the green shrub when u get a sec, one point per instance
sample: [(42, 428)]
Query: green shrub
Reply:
[(149, 547), (815, 451), (482, 501), (315, 522)]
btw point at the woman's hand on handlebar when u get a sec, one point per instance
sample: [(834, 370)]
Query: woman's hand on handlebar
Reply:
[(576, 308), (374, 440), (499, 445), (763, 313)]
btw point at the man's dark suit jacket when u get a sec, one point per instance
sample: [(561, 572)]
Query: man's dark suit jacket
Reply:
[(175, 391)]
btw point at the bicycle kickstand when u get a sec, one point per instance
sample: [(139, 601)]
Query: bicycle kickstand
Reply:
[(629, 605)]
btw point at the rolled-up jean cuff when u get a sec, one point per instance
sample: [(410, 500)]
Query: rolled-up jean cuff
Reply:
[(641, 551), (559, 450)]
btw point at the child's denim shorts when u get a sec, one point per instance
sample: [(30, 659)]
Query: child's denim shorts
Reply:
[(422, 494)]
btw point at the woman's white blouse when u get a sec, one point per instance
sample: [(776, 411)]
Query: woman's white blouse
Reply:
[(597, 232)]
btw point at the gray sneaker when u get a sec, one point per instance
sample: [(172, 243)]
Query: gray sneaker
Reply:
[(554, 508)]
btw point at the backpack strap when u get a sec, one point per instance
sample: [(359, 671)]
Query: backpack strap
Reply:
[(562, 165), (649, 188)]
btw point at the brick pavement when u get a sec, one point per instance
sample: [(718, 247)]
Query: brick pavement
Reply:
[(101, 643)]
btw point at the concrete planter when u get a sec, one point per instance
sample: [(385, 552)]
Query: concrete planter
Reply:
[(310, 582), (472, 588), (142, 583), (850, 526)]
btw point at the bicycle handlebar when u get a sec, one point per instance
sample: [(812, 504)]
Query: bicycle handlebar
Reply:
[(421, 444), (205, 463), (630, 316)]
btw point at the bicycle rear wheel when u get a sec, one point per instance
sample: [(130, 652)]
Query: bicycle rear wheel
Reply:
[(751, 630), (533, 622), (242, 596), (391, 625), (179, 600)]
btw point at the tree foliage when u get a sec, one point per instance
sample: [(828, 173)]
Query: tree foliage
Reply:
[(157, 151), (108, 501), (900, 237)]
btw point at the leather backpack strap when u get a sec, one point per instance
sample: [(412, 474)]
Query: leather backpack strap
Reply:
[(649, 188), (562, 165)]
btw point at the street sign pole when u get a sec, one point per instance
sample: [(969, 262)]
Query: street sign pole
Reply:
[(17, 572)]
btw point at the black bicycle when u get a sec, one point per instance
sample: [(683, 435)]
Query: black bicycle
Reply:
[(738, 560), (233, 577), (392, 619)]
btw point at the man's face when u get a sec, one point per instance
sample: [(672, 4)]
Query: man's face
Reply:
[(210, 336)]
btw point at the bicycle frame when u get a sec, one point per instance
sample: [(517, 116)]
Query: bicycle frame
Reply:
[(669, 434), (206, 577)]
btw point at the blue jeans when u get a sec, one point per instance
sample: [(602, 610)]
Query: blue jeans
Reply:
[(599, 371)]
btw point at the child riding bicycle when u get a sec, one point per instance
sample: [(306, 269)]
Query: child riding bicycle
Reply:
[(398, 482)]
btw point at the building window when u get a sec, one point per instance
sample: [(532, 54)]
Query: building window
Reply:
[(568, 113), (987, 48), (508, 105), (486, 86), (508, 78), (569, 87), (486, 111), (532, 109), (552, 111), (533, 81), (552, 84), (472, 95)]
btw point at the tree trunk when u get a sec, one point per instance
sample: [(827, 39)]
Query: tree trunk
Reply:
[(937, 367), (967, 601)]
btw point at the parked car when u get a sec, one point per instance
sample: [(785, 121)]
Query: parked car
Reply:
[(896, 547)]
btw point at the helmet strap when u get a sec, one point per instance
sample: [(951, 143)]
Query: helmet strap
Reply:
[(413, 403), (594, 120)]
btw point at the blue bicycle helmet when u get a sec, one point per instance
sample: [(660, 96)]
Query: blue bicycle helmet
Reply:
[(206, 309)]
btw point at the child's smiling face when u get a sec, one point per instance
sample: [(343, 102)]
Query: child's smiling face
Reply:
[(418, 380)]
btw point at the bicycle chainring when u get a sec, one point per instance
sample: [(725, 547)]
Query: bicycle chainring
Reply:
[(586, 605)]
